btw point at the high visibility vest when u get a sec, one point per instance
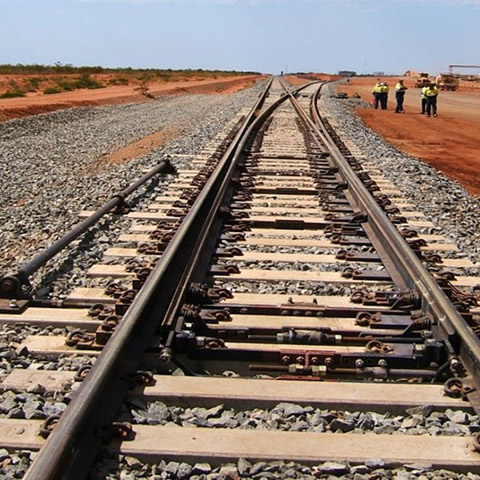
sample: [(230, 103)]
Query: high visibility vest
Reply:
[(400, 88), (384, 88), (424, 89), (431, 91), (377, 88)]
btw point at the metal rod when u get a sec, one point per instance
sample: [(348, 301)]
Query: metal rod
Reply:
[(10, 287)]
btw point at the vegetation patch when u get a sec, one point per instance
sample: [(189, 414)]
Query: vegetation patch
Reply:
[(118, 81), (51, 90), (84, 81), (13, 94), (34, 83), (164, 73)]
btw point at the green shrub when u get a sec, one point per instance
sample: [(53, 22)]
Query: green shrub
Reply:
[(66, 85), (35, 82), (13, 94), (165, 76), (50, 90), (13, 85), (59, 68), (118, 81), (86, 82)]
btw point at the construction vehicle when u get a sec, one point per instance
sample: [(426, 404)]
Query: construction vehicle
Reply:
[(422, 80), (447, 81)]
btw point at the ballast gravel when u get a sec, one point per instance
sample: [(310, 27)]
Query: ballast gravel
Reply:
[(122, 467), (296, 418), (130, 468), (49, 169)]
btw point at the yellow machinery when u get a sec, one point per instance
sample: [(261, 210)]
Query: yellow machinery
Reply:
[(447, 81), (422, 80)]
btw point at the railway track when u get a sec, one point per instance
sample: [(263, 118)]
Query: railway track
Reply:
[(280, 259)]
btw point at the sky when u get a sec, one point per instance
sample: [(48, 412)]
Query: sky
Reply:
[(269, 36)]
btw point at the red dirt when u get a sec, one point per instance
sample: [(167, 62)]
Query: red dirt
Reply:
[(302, 79), (135, 149), (35, 103), (450, 142)]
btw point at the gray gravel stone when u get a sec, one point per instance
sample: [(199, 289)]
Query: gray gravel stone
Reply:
[(133, 463), (172, 468), (375, 463), (458, 417), (342, 425), (228, 472), (258, 468), (201, 468), (359, 469), (419, 467), (334, 468), (184, 471), (243, 467)]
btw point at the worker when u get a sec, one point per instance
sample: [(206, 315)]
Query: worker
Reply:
[(400, 90), (424, 98), (431, 92), (384, 95), (376, 94)]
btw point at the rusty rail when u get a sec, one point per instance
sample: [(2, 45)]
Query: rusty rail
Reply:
[(449, 326)]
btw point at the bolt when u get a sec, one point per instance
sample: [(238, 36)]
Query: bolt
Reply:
[(382, 363), (329, 362), (314, 361), (285, 360), (359, 363), (13, 303), (166, 355), (300, 360), (454, 364)]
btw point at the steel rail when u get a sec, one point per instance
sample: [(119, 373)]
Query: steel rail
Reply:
[(199, 259), (451, 325), (71, 447), (16, 286)]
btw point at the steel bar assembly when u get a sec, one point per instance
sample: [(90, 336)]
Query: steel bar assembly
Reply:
[(278, 255)]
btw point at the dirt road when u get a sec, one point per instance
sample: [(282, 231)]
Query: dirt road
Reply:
[(450, 142)]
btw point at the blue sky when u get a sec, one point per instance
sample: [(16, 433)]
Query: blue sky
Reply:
[(262, 35)]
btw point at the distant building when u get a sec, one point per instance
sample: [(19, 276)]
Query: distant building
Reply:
[(347, 73), (378, 74)]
